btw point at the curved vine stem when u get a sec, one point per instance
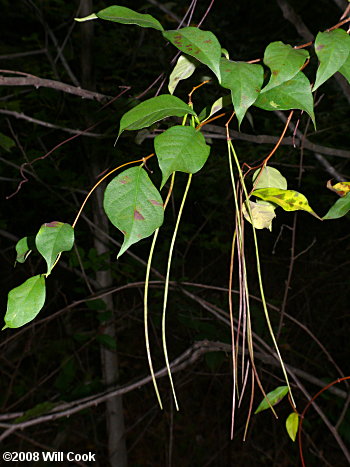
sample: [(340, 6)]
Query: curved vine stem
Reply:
[(166, 287), (302, 415), (145, 299), (143, 160)]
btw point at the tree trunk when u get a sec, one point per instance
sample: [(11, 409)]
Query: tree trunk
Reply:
[(109, 358)]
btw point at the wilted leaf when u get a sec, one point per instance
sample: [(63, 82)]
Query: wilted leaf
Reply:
[(339, 208), (152, 110), (332, 49), (180, 148), (25, 301), (245, 81), (183, 69), (292, 425), (274, 397), (284, 62), (289, 200), (52, 239), (202, 45), (134, 205), (341, 188), (262, 215)]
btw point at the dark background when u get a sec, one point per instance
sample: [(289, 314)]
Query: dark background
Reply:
[(59, 359)]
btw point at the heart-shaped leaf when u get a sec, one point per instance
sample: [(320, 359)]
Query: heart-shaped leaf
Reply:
[(25, 301), (52, 239), (183, 69), (332, 49), (134, 205), (289, 200), (245, 81), (274, 398), (284, 62), (269, 177), (202, 45), (123, 15), (339, 208), (180, 148), (152, 110), (292, 425), (292, 94)]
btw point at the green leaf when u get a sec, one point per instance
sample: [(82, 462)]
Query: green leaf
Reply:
[(289, 200), (180, 148), (6, 143), (202, 45), (123, 15), (23, 250), (25, 301), (53, 238), (183, 69), (245, 81), (152, 110), (345, 69), (332, 49), (292, 425), (262, 215), (210, 110), (284, 62), (39, 409), (339, 208), (107, 341), (134, 205), (269, 178), (293, 94), (274, 397)]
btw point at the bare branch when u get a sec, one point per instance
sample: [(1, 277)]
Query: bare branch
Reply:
[(220, 133), (23, 54), (190, 356), (49, 83), (23, 116)]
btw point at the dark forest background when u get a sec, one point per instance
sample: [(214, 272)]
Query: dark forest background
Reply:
[(67, 352)]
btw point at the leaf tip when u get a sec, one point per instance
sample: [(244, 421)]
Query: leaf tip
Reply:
[(86, 18)]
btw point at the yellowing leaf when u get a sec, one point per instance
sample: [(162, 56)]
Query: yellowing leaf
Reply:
[(289, 200), (341, 188), (262, 215), (292, 424)]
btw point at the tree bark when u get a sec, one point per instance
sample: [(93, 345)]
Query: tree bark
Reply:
[(109, 358)]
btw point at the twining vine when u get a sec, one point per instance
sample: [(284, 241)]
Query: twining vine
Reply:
[(135, 206)]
